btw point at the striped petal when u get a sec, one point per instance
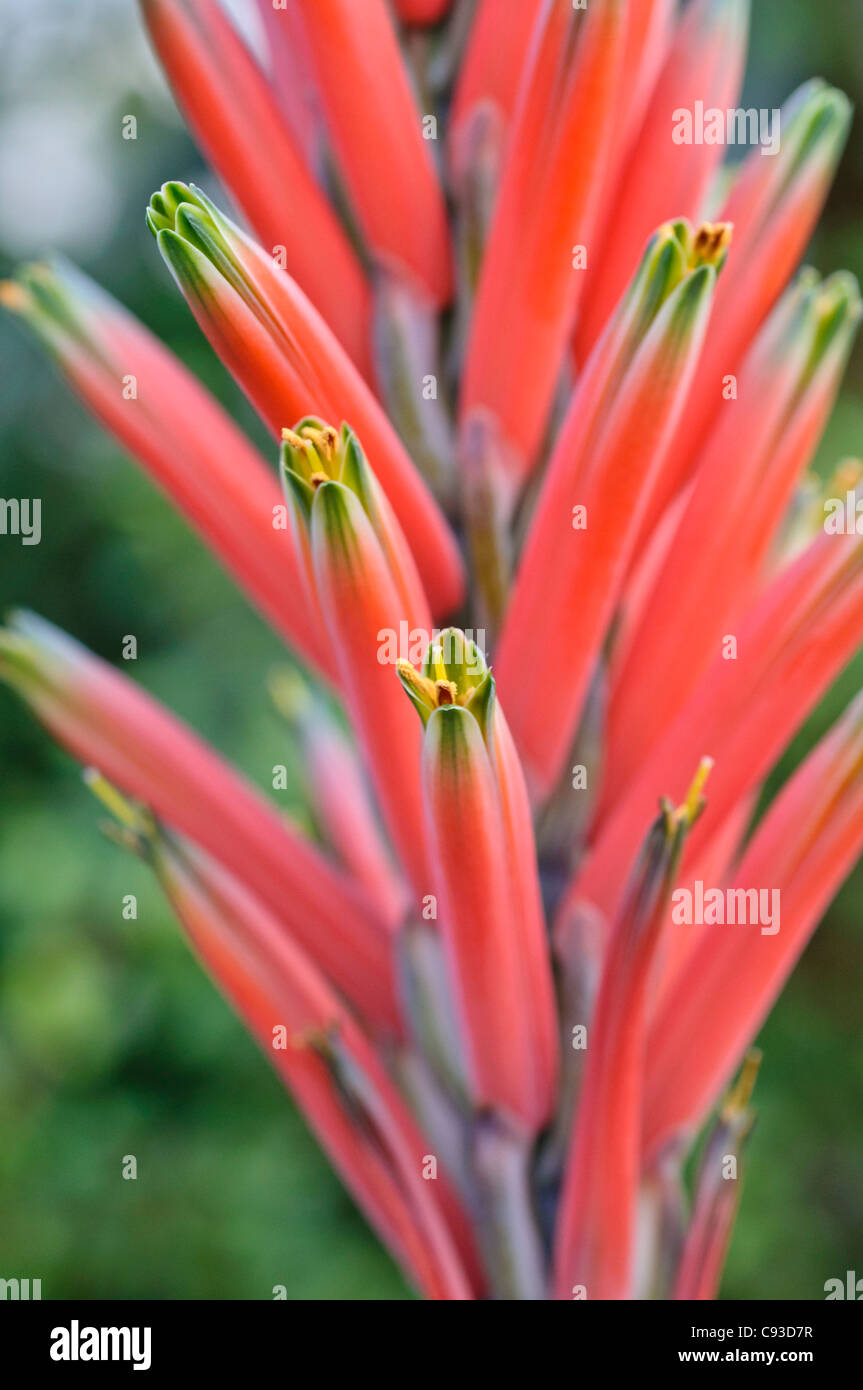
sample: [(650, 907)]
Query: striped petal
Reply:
[(236, 121), (484, 880), (170, 423), (286, 359), (365, 618)]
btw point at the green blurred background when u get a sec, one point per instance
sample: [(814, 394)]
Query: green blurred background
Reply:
[(112, 1042)]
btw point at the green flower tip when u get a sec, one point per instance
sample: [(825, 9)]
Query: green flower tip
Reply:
[(706, 244), (35, 655), (710, 245), (291, 694), (454, 675)]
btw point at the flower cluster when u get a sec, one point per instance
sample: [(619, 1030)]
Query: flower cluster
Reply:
[(518, 380)]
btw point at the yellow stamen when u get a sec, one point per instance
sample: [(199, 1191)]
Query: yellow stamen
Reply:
[(740, 1094), (711, 242)]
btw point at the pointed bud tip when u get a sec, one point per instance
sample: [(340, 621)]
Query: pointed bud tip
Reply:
[(840, 291), (694, 802)]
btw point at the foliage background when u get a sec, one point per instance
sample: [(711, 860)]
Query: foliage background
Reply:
[(112, 1042)]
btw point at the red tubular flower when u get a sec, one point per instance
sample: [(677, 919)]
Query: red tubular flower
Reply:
[(466, 837), (786, 391), (531, 930), (528, 287), (236, 121), (650, 28), (376, 131), (774, 208), (596, 1226), (107, 722), (490, 74), (613, 442), (362, 610), (320, 1053), (484, 877), (170, 424), (803, 849), (291, 79), (285, 358), (792, 644), (662, 178)]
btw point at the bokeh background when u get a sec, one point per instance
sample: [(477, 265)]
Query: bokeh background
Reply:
[(112, 1042)]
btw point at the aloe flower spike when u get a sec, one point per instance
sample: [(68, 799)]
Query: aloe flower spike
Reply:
[(442, 286), (236, 120), (288, 361)]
